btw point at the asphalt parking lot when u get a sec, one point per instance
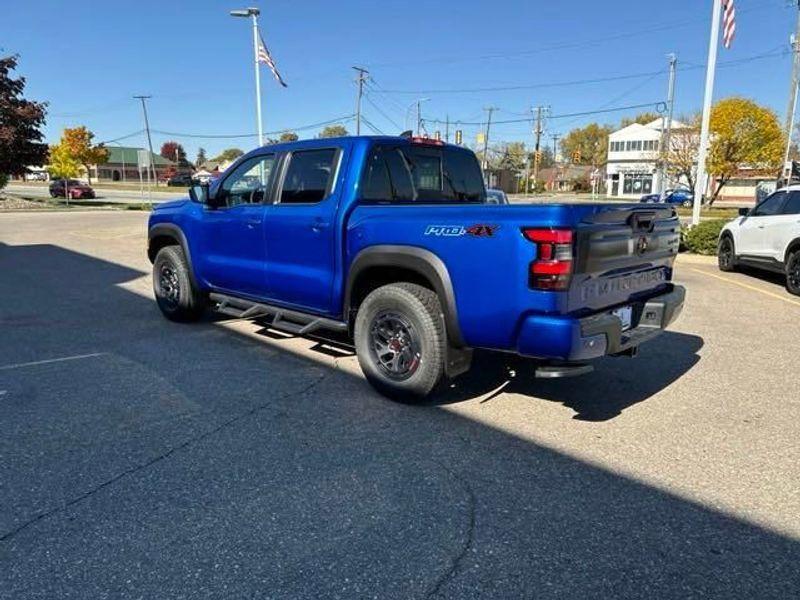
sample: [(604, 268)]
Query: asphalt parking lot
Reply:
[(145, 459)]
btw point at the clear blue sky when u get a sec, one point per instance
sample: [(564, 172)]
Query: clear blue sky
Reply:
[(87, 59)]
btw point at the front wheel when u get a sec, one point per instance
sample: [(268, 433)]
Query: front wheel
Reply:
[(172, 284), (726, 255), (400, 341), (793, 273)]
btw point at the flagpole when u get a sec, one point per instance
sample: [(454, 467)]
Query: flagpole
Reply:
[(254, 13), (711, 66)]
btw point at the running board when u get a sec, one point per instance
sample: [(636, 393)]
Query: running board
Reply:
[(290, 321)]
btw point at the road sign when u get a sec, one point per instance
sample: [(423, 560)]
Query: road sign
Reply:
[(143, 159)]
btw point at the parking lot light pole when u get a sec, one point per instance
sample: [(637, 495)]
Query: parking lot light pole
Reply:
[(253, 14)]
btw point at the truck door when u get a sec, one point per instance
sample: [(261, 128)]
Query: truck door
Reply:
[(300, 230), (234, 253)]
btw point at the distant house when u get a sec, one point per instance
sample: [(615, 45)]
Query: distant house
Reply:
[(633, 153), (123, 164), (565, 177)]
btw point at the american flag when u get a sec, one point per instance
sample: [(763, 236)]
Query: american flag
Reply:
[(728, 23), (264, 57)]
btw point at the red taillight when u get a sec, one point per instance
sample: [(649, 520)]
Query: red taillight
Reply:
[(552, 268)]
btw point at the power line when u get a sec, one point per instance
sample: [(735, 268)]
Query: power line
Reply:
[(770, 54), (342, 119), (124, 137), (383, 114), (564, 45)]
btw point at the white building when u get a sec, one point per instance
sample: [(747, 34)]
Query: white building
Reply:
[(632, 168)]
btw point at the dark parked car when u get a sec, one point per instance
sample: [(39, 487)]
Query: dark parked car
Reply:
[(180, 180), (76, 189), (680, 196), (496, 197)]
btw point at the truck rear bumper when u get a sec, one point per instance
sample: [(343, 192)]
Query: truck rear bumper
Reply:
[(601, 334)]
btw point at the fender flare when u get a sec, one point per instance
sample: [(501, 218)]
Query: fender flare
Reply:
[(176, 233), (791, 247), (419, 260)]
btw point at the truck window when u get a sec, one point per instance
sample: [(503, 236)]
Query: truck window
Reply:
[(309, 176), (249, 183), (404, 174)]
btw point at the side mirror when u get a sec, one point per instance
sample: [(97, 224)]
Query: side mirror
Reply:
[(744, 212), (199, 192)]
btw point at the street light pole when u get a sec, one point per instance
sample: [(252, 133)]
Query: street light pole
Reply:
[(253, 14)]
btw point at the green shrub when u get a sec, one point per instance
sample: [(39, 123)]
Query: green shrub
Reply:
[(702, 238), (3, 180)]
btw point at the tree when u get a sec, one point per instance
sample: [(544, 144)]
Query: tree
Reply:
[(78, 141), (62, 164), (173, 151), (290, 136), (591, 141), (642, 118), (201, 157), (743, 134), (228, 155), (513, 156), (334, 131), (20, 125), (684, 144)]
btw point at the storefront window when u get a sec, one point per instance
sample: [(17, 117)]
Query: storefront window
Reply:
[(638, 184)]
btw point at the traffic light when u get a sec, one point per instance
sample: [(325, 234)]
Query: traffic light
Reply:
[(576, 157), (537, 157), (459, 136)]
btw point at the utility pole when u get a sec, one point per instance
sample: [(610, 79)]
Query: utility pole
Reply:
[(447, 129), (555, 138), (795, 42), (363, 75), (149, 139), (538, 132), (666, 124), (711, 67), (490, 110)]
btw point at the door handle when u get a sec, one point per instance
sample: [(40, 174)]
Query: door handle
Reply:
[(252, 223), (318, 226)]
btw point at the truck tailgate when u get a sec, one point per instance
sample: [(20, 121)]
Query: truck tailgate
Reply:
[(622, 254)]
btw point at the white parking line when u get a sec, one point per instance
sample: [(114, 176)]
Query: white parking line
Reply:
[(3, 392), (50, 360)]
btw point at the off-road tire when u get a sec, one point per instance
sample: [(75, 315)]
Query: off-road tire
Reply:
[(418, 308), (726, 254), (177, 298), (793, 273)]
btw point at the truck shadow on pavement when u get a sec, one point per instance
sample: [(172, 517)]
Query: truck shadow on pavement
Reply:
[(164, 460), (614, 385)]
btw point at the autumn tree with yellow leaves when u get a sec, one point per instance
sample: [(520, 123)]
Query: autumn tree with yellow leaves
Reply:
[(743, 135)]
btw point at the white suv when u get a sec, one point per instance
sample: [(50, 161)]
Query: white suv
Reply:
[(766, 237)]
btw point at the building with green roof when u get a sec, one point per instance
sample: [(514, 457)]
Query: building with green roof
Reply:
[(123, 165)]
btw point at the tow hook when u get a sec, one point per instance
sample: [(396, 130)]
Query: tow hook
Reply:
[(561, 370)]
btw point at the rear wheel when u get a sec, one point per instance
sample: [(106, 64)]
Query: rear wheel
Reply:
[(793, 273), (172, 284), (400, 341), (726, 254)]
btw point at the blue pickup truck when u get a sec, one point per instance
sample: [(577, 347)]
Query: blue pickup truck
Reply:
[(391, 241)]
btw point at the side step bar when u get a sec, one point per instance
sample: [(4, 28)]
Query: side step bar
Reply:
[(290, 321)]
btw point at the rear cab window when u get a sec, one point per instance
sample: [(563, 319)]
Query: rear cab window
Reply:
[(409, 173)]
